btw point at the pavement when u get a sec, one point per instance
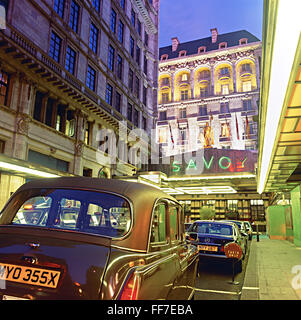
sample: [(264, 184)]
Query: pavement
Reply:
[(273, 271)]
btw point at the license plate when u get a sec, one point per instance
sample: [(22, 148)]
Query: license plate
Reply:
[(29, 275), (207, 248)]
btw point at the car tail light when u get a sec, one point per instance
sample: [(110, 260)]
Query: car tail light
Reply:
[(192, 239), (130, 289), (222, 249)]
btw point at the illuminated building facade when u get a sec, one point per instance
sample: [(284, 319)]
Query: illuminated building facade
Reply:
[(208, 93), (69, 68), (208, 97)]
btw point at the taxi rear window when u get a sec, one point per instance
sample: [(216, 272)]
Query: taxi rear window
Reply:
[(212, 228), (83, 211)]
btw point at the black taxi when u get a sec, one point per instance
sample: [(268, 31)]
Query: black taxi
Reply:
[(87, 238)]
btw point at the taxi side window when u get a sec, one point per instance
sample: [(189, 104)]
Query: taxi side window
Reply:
[(158, 228), (173, 222), (182, 224)]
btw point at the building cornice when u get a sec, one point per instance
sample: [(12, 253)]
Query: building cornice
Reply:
[(193, 61)]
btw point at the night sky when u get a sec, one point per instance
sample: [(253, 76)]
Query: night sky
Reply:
[(192, 19)]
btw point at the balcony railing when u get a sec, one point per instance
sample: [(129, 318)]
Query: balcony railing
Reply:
[(204, 77), (224, 75), (164, 84)]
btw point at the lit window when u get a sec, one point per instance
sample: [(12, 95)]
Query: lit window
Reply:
[(165, 97), (246, 86), (70, 60), (162, 135), (55, 47), (74, 16), (225, 89), (184, 95), (91, 78), (96, 5), (119, 66), (204, 92), (59, 7), (184, 77), (133, 17), (120, 31), (183, 113), (111, 58), (113, 20), (93, 38), (4, 80), (109, 94)]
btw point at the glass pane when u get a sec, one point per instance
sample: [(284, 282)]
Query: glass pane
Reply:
[(158, 232), (83, 211)]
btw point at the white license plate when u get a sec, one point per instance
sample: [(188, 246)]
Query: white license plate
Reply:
[(207, 248), (29, 275)]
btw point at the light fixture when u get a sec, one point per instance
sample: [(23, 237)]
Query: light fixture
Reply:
[(172, 191), (207, 190), (287, 31), (14, 167)]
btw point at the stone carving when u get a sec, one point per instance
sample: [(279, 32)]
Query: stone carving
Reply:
[(22, 124)]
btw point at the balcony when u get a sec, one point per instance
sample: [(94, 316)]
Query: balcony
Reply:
[(164, 84), (245, 71), (204, 77), (224, 74)]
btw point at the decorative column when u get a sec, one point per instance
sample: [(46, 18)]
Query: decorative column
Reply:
[(212, 78), (172, 77), (234, 76), (192, 83), (79, 143)]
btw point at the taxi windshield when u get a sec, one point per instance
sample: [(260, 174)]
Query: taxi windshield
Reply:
[(213, 228), (79, 210)]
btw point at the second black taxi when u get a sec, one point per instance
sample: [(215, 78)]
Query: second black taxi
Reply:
[(211, 238)]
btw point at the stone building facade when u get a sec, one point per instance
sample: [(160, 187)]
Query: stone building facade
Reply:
[(208, 93), (69, 68)]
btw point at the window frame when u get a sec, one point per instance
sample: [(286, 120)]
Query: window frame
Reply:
[(93, 37), (67, 67), (89, 67), (111, 57), (53, 44), (6, 85), (74, 14), (109, 94), (59, 8), (160, 245)]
